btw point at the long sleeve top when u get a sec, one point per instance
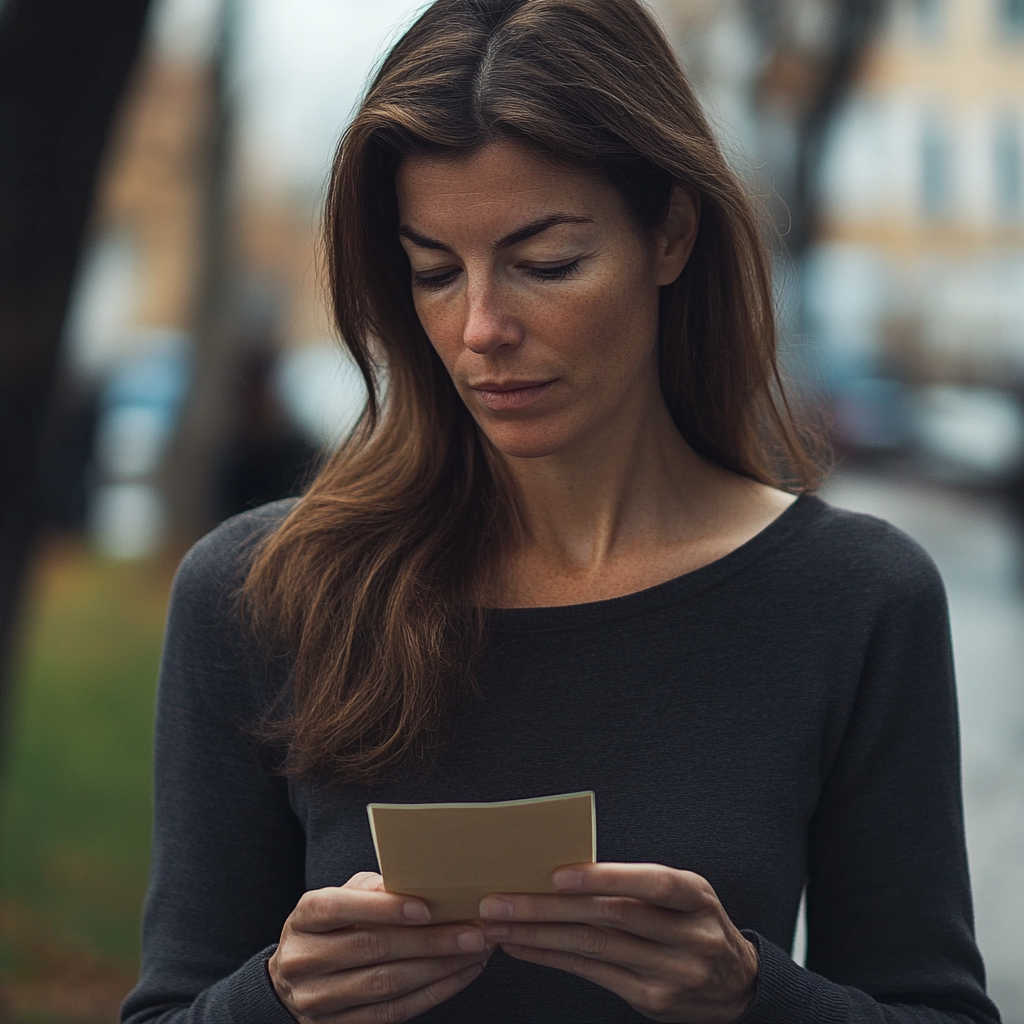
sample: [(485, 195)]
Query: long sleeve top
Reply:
[(782, 718)]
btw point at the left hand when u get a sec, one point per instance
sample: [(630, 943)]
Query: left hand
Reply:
[(656, 936)]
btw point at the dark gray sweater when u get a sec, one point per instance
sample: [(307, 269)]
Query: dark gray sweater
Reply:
[(781, 716)]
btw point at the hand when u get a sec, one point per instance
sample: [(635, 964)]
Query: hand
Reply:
[(655, 936), (359, 955)]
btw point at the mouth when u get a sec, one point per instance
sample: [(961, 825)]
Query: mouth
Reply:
[(512, 394)]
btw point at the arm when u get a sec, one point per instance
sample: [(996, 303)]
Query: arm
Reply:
[(228, 853), (890, 931), (889, 914), (228, 872)]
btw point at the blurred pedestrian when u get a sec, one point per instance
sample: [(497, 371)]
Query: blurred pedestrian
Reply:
[(266, 458)]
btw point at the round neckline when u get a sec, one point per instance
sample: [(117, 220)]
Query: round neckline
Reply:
[(661, 595)]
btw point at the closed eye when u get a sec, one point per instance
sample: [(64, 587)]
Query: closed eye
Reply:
[(559, 273), (435, 281)]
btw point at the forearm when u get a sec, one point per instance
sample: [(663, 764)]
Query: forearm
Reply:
[(788, 992), (228, 850), (243, 997)]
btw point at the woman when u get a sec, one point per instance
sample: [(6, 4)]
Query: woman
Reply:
[(571, 549)]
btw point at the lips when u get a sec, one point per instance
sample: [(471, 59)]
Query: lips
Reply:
[(513, 394)]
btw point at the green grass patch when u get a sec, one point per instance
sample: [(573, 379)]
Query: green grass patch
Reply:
[(75, 802)]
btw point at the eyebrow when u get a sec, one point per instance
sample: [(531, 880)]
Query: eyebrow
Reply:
[(512, 238)]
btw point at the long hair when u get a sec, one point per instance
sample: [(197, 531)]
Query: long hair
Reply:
[(375, 579)]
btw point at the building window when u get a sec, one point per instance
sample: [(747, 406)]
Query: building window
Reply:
[(1011, 17), (929, 16), (1009, 166), (936, 177)]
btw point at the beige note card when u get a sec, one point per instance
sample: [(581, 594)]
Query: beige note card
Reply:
[(451, 855)]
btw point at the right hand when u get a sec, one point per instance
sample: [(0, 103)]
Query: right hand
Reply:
[(360, 955)]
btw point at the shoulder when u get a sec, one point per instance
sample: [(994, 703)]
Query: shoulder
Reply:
[(213, 662), (861, 553), (216, 566)]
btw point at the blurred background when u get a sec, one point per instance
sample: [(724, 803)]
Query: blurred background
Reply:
[(166, 360)]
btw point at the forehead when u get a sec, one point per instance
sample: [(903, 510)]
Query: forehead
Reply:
[(496, 189)]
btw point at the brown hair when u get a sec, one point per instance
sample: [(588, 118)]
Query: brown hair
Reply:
[(374, 580)]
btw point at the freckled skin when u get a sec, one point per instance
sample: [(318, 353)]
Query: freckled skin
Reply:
[(614, 498), (593, 332)]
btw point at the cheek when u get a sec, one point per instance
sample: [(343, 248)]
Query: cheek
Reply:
[(612, 325), (443, 326), (602, 327)]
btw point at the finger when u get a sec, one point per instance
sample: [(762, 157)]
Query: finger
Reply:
[(622, 912), (653, 883), (605, 944), (619, 980), (387, 982), (413, 1004), (369, 880), (325, 910), (313, 955), (362, 946)]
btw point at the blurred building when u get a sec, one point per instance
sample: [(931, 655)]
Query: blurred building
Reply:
[(920, 266), (908, 294), (914, 292)]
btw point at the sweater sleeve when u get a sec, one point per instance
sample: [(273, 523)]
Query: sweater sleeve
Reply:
[(228, 852), (889, 920)]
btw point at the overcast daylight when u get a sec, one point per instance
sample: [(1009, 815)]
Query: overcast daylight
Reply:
[(589, 594)]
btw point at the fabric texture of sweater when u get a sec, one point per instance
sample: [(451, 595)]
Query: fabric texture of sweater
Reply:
[(782, 717)]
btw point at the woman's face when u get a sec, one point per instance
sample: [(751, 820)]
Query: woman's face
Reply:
[(538, 292)]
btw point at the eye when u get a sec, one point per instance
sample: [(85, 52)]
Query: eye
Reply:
[(559, 273), (432, 282)]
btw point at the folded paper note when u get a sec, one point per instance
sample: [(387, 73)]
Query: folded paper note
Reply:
[(451, 855)]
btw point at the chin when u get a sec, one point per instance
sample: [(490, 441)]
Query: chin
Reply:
[(528, 441)]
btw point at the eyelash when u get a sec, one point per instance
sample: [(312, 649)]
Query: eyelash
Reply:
[(548, 274), (556, 273)]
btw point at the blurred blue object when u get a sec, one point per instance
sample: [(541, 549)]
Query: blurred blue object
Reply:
[(872, 414), (131, 440), (322, 390), (972, 436), (140, 404), (157, 375), (969, 435)]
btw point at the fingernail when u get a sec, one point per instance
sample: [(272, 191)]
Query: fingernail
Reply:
[(497, 931), (492, 907), (471, 941), (468, 972), (567, 878), (415, 912)]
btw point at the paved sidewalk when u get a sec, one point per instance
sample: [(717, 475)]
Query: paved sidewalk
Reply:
[(980, 553)]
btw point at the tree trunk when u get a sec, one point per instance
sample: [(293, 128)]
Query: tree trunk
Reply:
[(191, 473), (63, 68), (858, 23), (817, 78)]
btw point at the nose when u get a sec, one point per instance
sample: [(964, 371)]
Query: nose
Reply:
[(490, 322)]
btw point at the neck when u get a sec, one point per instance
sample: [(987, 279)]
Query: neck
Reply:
[(634, 481), (629, 506)]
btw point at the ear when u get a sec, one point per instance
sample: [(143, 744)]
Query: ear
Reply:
[(676, 234)]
